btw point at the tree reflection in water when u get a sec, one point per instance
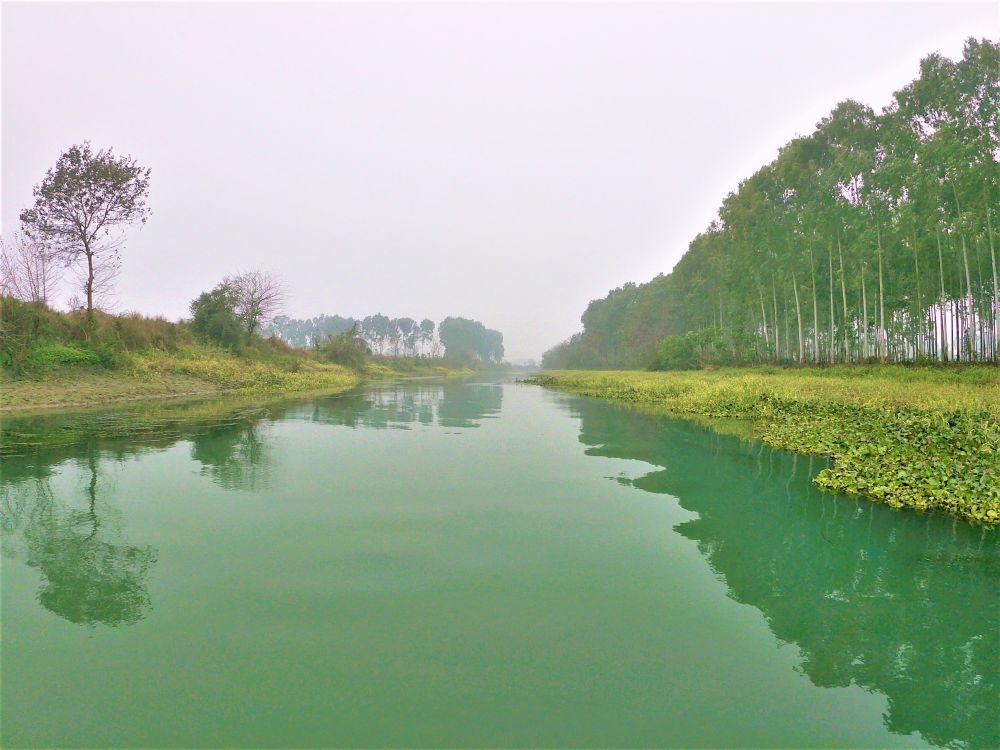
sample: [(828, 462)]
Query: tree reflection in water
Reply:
[(90, 575), (402, 405), (236, 457), (899, 603)]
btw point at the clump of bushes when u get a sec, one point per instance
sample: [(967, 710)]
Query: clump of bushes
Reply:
[(135, 332), (346, 348), (704, 349), (213, 317), (48, 355), (34, 337)]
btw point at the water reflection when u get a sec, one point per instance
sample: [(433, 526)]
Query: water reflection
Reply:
[(402, 405), (90, 574), (891, 601), (236, 457)]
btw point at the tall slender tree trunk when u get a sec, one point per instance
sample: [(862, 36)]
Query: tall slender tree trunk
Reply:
[(995, 313), (763, 317), (788, 336), (919, 317), (777, 341), (843, 294), (865, 350), (968, 301), (90, 278), (812, 272), (882, 332), (833, 338), (942, 305), (798, 317)]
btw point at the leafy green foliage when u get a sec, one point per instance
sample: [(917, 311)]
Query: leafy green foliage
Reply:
[(346, 348), (676, 353), (213, 315), (34, 338), (469, 342), (62, 354)]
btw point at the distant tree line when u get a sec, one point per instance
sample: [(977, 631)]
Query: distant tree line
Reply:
[(871, 239), (456, 338)]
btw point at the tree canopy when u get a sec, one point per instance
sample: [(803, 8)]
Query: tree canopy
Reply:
[(872, 238), (80, 207), (470, 341)]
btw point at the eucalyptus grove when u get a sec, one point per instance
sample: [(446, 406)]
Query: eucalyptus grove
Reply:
[(872, 238)]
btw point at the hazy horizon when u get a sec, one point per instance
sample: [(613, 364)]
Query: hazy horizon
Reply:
[(507, 163)]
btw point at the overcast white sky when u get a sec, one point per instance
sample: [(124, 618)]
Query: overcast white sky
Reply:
[(507, 163)]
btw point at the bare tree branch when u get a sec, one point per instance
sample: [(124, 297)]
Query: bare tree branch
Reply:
[(260, 296), (27, 269)]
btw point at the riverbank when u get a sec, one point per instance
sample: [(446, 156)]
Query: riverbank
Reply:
[(191, 372), (153, 375), (923, 438)]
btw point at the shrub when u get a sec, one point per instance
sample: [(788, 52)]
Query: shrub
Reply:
[(49, 355), (134, 332), (346, 349), (676, 353), (21, 325), (214, 317)]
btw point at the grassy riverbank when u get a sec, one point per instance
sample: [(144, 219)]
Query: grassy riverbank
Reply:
[(156, 374), (51, 359), (924, 438)]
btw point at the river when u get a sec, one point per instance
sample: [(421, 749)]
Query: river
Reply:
[(475, 563)]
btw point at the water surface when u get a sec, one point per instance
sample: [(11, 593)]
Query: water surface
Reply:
[(478, 564)]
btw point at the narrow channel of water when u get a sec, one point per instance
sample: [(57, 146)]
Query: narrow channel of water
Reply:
[(476, 564)]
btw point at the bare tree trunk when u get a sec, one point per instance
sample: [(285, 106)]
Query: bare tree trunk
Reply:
[(995, 317), (833, 339), (798, 317), (788, 336), (865, 352), (763, 317), (843, 294), (90, 279), (920, 305), (944, 296), (881, 301), (968, 299), (812, 272), (777, 341)]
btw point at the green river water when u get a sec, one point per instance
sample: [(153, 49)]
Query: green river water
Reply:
[(467, 563)]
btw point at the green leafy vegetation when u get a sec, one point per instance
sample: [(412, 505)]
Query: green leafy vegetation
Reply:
[(60, 354), (922, 438), (872, 239)]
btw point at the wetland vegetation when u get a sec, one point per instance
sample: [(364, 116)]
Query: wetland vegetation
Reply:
[(921, 438)]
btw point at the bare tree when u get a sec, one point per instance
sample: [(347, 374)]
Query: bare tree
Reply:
[(82, 206), (259, 297), (27, 270)]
